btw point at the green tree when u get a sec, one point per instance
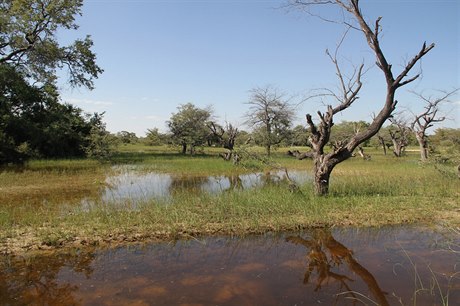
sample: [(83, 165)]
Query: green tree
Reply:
[(299, 136), (447, 140), (28, 41), (18, 102), (243, 138), (127, 137), (33, 121), (342, 131), (155, 138), (99, 144), (446, 137), (188, 126), (34, 124), (270, 115)]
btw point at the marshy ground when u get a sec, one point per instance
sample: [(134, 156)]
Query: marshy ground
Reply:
[(154, 193)]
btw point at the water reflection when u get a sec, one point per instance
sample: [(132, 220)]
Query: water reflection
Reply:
[(342, 267), (324, 253), (37, 281), (134, 186)]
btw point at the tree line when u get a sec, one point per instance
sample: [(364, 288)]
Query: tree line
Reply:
[(191, 127)]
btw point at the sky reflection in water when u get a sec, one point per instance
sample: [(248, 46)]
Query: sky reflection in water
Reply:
[(136, 186)]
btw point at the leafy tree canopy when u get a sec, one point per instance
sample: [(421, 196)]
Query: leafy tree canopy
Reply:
[(28, 41), (34, 124), (188, 126)]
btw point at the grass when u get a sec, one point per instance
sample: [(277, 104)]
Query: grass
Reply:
[(40, 203), (437, 286)]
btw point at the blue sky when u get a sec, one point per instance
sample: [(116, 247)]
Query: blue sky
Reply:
[(160, 54)]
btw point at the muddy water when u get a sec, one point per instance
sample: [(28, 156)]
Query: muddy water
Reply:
[(317, 267)]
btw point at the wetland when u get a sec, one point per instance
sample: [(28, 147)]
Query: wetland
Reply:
[(163, 229)]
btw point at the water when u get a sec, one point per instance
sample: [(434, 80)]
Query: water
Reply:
[(136, 186), (317, 267)]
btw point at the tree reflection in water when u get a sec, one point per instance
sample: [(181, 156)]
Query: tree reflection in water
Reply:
[(34, 281), (324, 254), (236, 183)]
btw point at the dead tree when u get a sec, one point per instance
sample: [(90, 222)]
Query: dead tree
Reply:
[(427, 118), (297, 154), (323, 253), (362, 154), (399, 134), (320, 132), (383, 144), (226, 137)]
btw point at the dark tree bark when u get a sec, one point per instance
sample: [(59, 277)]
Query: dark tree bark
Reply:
[(320, 133)]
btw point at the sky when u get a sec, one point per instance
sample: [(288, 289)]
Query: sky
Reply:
[(159, 54)]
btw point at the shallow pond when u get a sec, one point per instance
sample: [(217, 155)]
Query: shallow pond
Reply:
[(387, 266), (133, 185)]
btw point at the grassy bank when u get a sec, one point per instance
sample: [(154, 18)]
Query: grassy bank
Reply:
[(41, 204)]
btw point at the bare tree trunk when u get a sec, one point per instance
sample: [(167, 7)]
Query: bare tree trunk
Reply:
[(383, 144), (349, 89), (184, 148), (399, 138), (423, 144), (322, 175), (226, 138), (362, 154), (427, 118), (227, 155), (398, 148), (300, 156)]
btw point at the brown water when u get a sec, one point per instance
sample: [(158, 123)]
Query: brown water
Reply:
[(317, 267)]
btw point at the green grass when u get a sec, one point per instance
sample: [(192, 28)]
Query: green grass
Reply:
[(40, 203)]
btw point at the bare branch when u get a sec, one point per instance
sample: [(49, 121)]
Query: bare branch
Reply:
[(398, 82), (349, 89), (424, 120)]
